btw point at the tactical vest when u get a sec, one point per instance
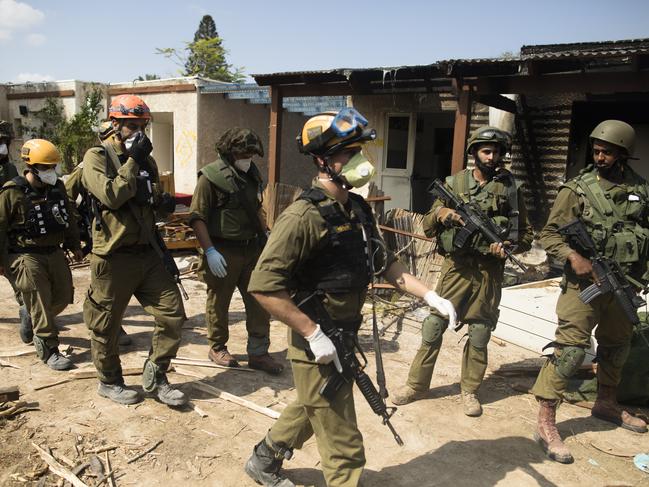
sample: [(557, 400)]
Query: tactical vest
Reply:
[(615, 218), (341, 263), (230, 220), (498, 199), (44, 212)]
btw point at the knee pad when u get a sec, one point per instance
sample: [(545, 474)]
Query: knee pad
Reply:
[(432, 329), (479, 335), (569, 360), (616, 356)]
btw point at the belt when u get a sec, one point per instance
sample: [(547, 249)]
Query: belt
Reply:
[(45, 249)]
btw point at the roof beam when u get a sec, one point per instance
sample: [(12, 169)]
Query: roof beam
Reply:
[(461, 129), (498, 101), (612, 82)]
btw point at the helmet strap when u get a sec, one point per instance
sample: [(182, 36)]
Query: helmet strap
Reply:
[(332, 175)]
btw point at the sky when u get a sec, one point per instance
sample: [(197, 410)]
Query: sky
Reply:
[(116, 41)]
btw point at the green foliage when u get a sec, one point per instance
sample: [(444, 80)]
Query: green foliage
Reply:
[(72, 137), (148, 77), (205, 56), (206, 29)]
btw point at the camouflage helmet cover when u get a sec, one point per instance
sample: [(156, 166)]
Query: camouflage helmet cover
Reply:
[(239, 140), (6, 129)]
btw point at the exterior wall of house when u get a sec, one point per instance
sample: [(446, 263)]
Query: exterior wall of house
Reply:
[(218, 113)]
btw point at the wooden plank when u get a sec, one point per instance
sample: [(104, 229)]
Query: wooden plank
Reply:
[(59, 469), (408, 234), (11, 393), (31, 95), (226, 395), (498, 101), (461, 130), (182, 244), (275, 135)]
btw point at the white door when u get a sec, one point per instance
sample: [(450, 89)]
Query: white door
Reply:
[(398, 156)]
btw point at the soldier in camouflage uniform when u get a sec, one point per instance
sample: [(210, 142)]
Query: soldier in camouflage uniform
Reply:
[(34, 221), (7, 173), (612, 201), (318, 248), (227, 218), (123, 262), (471, 278)]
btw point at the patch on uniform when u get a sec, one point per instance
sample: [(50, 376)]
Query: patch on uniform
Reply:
[(343, 228)]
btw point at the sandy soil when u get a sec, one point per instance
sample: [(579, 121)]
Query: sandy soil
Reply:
[(442, 446)]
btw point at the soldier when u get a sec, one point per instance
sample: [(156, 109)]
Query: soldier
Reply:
[(613, 202), (318, 248), (7, 173), (123, 262), (225, 214), (471, 277), (82, 205), (34, 222)]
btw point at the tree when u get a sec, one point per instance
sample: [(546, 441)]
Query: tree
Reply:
[(205, 56), (147, 77), (72, 137)]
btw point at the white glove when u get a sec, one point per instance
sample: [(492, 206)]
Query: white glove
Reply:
[(323, 349), (216, 262), (442, 305)]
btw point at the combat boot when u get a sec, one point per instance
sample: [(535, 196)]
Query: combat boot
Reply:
[(222, 357), (606, 408), (264, 465), (471, 403), (119, 393), (56, 361), (406, 395), (155, 379), (547, 434), (266, 363), (26, 331)]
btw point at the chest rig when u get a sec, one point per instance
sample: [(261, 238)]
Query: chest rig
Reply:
[(498, 199), (615, 218), (342, 262), (45, 212)]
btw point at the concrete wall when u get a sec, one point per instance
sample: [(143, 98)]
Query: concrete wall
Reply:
[(217, 113)]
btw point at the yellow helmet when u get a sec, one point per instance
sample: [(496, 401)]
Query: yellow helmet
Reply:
[(329, 132), (40, 151)]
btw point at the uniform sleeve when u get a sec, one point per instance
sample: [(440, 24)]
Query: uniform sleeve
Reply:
[(71, 233), (5, 219), (202, 200), (111, 192), (565, 209), (73, 189), (525, 233), (295, 236)]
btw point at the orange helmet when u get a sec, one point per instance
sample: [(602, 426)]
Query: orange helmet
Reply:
[(128, 106)]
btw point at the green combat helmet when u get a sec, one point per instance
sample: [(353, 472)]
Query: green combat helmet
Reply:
[(615, 132), (240, 141), (6, 129), (490, 135)]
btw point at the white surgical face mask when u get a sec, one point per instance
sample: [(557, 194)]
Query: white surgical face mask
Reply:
[(4, 150), (128, 143), (48, 176), (243, 164)]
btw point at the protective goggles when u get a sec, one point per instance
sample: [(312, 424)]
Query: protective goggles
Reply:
[(346, 122), (138, 111), (493, 135)]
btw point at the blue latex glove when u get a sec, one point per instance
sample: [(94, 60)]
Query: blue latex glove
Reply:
[(216, 262)]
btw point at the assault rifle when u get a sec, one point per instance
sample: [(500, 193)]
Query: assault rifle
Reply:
[(475, 221), (609, 277), (352, 367)]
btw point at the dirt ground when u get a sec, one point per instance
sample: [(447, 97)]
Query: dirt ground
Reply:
[(442, 446)]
